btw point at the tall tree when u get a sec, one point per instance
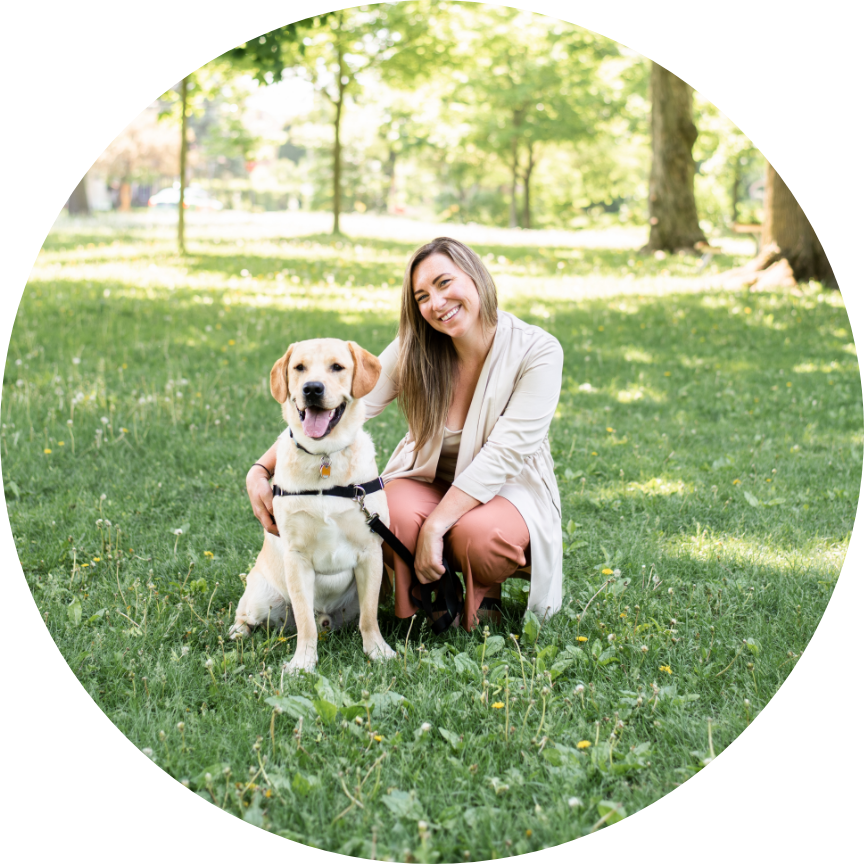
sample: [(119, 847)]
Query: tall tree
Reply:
[(401, 42), (78, 204), (531, 81), (791, 251), (671, 200)]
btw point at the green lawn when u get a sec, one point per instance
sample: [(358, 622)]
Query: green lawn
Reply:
[(708, 447)]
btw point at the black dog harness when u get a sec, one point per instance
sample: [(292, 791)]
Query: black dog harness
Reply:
[(448, 597)]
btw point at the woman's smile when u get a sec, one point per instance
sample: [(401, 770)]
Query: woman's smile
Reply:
[(445, 318)]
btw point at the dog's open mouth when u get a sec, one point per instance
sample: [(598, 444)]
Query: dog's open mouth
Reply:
[(317, 422)]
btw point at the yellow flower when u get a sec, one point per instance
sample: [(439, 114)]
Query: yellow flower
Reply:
[(788, 383), (528, 831), (124, 429), (497, 704), (623, 615), (747, 310), (581, 638), (61, 443), (601, 328), (378, 738), (231, 342), (609, 429), (667, 374), (593, 452), (666, 669), (96, 560), (125, 366), (735, 482), (85, 565), (47, 450), (583, 745), (606, 571), (767, 479), (208, 554)]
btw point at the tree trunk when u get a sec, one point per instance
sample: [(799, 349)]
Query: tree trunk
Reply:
[(786, 226), (78, 205), (791, 251), (337, 128), (526, 179), (671, 201), (735, 194), (184, 146), (514, 176)]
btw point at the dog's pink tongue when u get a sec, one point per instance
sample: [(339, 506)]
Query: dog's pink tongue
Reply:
[(315, 422)]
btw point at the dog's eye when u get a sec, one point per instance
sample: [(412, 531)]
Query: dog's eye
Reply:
[(299, 368), (336, 367)]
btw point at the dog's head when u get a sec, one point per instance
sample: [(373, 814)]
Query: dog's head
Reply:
[(320, 383)]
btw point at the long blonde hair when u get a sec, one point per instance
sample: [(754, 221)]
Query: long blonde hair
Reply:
[(427, 358)]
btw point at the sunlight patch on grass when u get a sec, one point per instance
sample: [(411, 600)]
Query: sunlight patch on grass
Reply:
[(819, 557)]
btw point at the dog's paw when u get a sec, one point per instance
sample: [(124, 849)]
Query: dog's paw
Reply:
[(300, 663), (240, 630), (380, 650)]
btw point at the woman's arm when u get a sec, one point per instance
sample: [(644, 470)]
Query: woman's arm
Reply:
[(430, 542), (259, 491), (384, 392)]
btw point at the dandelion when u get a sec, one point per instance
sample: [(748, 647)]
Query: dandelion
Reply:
[(623, 615), (378, 738), (666, 669), (104, 421), (208, 554), (76, 360), (581, 638), (148, 752), (47, 451), (736, 482), (574, 802), (610, 637), (667, 374), (61, 443), (607, 571), (593, 452), (580, 688), (583, 745), (425, 727), (96, 560), (124, 430), (497, 705), (609, 429)]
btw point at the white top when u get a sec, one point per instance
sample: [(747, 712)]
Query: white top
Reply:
[(449, 455), (504, 449)]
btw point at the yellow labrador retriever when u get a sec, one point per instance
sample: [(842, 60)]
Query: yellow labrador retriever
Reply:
[(325, 564)]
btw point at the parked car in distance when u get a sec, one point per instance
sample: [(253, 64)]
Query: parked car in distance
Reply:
[(194, 198)]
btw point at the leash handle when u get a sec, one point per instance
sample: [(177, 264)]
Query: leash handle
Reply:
[(450, 588)]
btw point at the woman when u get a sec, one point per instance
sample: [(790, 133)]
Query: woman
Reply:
[(473, 479)]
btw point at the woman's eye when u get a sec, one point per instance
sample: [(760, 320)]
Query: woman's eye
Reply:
[(336, 367)]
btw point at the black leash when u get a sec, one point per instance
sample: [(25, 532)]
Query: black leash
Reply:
[(448, 599)]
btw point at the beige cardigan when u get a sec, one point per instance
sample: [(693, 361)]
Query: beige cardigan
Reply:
[(505, 442)]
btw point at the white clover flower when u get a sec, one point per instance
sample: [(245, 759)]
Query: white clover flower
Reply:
[(425, 727), (76, 360), (104, 421), (574, 802)]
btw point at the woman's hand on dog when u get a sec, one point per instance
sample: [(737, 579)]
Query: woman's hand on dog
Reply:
[(261, 498), (428, 557)]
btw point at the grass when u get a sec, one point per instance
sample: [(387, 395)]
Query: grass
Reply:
[(708, 448)]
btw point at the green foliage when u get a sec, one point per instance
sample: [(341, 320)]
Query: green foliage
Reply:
[(675, 403)]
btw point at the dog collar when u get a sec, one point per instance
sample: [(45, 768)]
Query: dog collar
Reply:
[(325, 457)]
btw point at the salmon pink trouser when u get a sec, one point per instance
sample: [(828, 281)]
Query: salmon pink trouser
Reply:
[(487, 545)]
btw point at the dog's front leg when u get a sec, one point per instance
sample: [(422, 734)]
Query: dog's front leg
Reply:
[(300, 582), (368, 575)]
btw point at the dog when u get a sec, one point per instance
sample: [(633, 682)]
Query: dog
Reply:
[(325, 567)]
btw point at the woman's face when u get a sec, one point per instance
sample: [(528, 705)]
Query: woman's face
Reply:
[(447, 297)]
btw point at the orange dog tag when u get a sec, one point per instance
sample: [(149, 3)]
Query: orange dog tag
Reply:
[(325, 467)]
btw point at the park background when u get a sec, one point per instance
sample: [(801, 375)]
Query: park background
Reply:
[(582, 277)]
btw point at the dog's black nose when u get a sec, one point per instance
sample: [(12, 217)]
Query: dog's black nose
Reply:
[(313, 389)]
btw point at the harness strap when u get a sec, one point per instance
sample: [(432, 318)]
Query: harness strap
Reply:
[(375, 485)]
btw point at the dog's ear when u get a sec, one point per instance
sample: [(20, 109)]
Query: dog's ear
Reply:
[(367, 368), (279, 376)]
